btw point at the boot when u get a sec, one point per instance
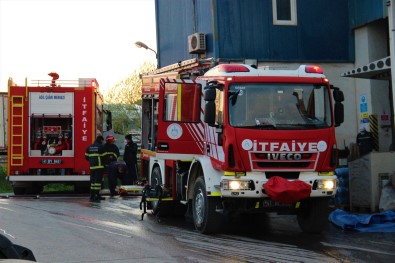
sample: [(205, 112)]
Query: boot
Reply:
[(97, 196), (100, 197), (92, 197)]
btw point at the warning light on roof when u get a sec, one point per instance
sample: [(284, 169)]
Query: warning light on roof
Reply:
[(232, 68), (314, 69)]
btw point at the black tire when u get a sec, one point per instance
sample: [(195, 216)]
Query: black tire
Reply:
[(205, 218), (313, 214), (34, 189), (19, 190), (156, 180), (160, 208)]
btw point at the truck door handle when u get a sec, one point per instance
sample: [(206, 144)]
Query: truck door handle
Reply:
[(163, 146)]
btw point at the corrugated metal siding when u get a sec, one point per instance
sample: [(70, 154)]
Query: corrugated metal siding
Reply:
[(366, 11), (238, 29), (176, 20), (246, 30), (324, 33)]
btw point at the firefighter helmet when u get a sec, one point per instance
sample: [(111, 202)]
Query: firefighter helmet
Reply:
[(110, 139)]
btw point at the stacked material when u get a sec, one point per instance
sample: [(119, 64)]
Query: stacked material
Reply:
[(342, 198)]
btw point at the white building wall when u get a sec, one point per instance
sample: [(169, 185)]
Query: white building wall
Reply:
[(347, 132), (371, 44)]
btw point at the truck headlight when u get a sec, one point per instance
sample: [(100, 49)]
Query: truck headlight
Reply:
[(327, 184), (235, 185)]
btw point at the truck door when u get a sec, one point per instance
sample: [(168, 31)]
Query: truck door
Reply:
[(180, 125)]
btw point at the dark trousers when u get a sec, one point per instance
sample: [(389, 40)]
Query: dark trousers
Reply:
[(96, 181), (113, 176), (132, 171)]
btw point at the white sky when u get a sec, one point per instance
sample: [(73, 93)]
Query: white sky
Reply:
[(75, 38)]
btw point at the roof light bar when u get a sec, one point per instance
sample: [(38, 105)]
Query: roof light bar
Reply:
[(232, 68), (314, 69)]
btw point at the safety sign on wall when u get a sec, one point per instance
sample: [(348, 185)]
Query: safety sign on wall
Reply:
[(363, 108)]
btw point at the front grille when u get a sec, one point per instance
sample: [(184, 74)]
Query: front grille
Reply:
[(263, 161), (285, 175), (283, 165)]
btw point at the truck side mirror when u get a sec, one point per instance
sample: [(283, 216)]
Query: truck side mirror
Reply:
[(339, 113), (338, 95), (209, 94), (209, 113), (209, 108)]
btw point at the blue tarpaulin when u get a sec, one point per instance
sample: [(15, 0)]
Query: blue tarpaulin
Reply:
[(377, 222)]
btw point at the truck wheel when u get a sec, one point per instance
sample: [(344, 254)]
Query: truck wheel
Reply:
[(162, 208), (19, 190), (34, 189), (313, 214), (205, 218)]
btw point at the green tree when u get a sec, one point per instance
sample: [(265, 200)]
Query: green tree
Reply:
[(124, 101), (125, 117), (128, 91)]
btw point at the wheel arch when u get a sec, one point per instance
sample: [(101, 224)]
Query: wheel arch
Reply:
[(194, 172), (157, 163), (203, 167)]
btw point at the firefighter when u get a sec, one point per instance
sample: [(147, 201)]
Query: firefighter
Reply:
[(119, 171), (130, 158), (93, 155), (110, 157)]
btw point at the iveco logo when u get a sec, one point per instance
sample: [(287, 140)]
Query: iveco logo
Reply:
[(284, 156)]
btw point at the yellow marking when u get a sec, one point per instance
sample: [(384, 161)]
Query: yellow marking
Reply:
[(330, 173), (157, 199), (215, 194), (229, 173)]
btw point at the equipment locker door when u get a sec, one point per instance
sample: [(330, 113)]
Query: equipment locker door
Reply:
[(180, 119)]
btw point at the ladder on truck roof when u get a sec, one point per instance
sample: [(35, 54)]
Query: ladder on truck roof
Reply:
[(16, 155)]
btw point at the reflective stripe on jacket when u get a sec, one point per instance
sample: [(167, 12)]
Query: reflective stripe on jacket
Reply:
[(94, 155), (110, 153)]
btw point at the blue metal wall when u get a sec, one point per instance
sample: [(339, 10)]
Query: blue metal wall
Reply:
[(366, 11), (176, 20), (240, 29)]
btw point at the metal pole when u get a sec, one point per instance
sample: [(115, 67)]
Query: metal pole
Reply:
[(391, 27)]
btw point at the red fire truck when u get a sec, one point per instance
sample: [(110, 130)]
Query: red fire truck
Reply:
[(50, 125), (240, 141)]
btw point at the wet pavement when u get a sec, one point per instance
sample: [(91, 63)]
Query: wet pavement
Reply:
[(71, 229)]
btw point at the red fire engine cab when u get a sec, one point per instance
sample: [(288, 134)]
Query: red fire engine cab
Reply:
[(241, 140), (50, 125)]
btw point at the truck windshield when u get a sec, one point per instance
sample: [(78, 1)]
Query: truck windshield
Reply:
[(279, 106)]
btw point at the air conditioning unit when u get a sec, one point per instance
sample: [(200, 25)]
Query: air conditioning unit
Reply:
[(197, 43)]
